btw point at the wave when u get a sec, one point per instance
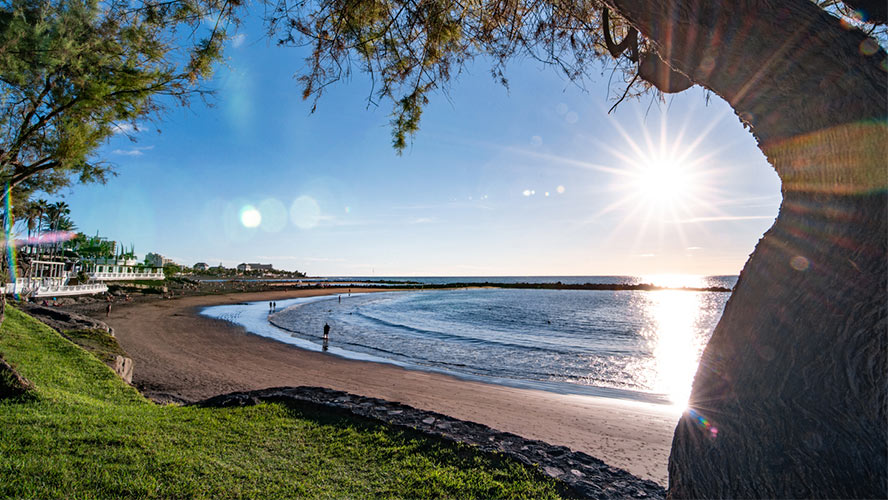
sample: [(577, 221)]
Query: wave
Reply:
[(439, 335), (590, 340)]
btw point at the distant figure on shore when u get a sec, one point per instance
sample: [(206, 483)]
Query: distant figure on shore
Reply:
[(274, 306), (108, 310), (270, 306), (326, 331), (349, 292), (340, 299)]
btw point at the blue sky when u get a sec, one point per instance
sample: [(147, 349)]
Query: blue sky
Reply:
[(534, 180)]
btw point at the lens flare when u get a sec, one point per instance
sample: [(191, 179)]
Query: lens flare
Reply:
[(799, 263), (704, 423), (46, 238), (274, 215), (10, 248), (249, 216), (305, 213)]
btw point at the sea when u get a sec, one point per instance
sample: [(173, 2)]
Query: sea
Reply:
[(636, 345)]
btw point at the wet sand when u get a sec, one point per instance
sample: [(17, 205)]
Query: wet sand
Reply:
[(179, 353)]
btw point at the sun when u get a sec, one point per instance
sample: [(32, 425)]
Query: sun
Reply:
[(663, 182), (660, 184)]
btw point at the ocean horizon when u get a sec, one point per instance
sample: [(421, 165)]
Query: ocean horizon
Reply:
[(665, 280)]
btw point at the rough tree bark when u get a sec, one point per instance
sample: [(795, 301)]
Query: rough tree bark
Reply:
[(790, 396)]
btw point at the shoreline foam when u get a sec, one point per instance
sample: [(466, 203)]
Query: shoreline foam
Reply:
[(259, 326)]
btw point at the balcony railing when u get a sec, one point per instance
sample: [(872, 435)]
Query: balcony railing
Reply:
[(35, 289), (125, 276)]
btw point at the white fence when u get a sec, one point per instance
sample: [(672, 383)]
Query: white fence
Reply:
[(125, 276), (53, 290)]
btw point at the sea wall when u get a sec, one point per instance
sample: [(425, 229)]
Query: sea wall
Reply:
[(584, 475)]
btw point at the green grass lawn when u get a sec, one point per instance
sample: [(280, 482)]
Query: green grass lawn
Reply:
[(86, 434)]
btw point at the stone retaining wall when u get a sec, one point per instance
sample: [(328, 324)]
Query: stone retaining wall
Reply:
[(584, 475)]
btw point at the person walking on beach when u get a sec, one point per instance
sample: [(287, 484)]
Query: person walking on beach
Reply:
[(108, 310), (326, 331), (270, 305), (340, 299)]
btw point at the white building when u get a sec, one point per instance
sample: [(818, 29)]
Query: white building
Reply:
[(157, 260), (254, 267), (121, 269), (50, 279)]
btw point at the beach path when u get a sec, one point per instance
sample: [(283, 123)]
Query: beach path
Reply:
[(180, 353)]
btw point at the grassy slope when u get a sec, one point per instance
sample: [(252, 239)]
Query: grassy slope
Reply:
[(87, 434), (96, 342)]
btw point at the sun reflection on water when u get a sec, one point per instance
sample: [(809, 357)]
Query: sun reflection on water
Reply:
[(674, 280), (675, 341)]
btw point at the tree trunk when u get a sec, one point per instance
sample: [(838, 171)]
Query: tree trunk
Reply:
[(790, 396)]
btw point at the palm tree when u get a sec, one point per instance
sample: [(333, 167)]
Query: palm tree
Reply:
[(54, 214), (33, 213)]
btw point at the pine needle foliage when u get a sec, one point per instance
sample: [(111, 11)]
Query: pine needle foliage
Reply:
[(413, 47), (75, 72)]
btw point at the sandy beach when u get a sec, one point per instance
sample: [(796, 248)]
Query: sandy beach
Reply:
[(179, 353)]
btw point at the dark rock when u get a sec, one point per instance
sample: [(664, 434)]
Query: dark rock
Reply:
[(62, 320), (163, 398), (12, 384)]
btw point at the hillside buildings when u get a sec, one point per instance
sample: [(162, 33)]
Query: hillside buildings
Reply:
[(244, 267)]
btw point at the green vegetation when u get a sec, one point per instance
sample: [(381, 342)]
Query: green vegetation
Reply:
[(84, 433), (171, 270), (97, 342), (74, 73)]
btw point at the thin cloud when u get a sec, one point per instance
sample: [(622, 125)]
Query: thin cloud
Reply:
[(300, 259), (133, 152), (751, 201), (128, 152), (722, 218), (238, 40), (447, 204), (126, 128), (323, 259)]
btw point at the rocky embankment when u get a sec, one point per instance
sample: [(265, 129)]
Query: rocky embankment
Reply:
[(584, 475), (12, 384), (89, 333)]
